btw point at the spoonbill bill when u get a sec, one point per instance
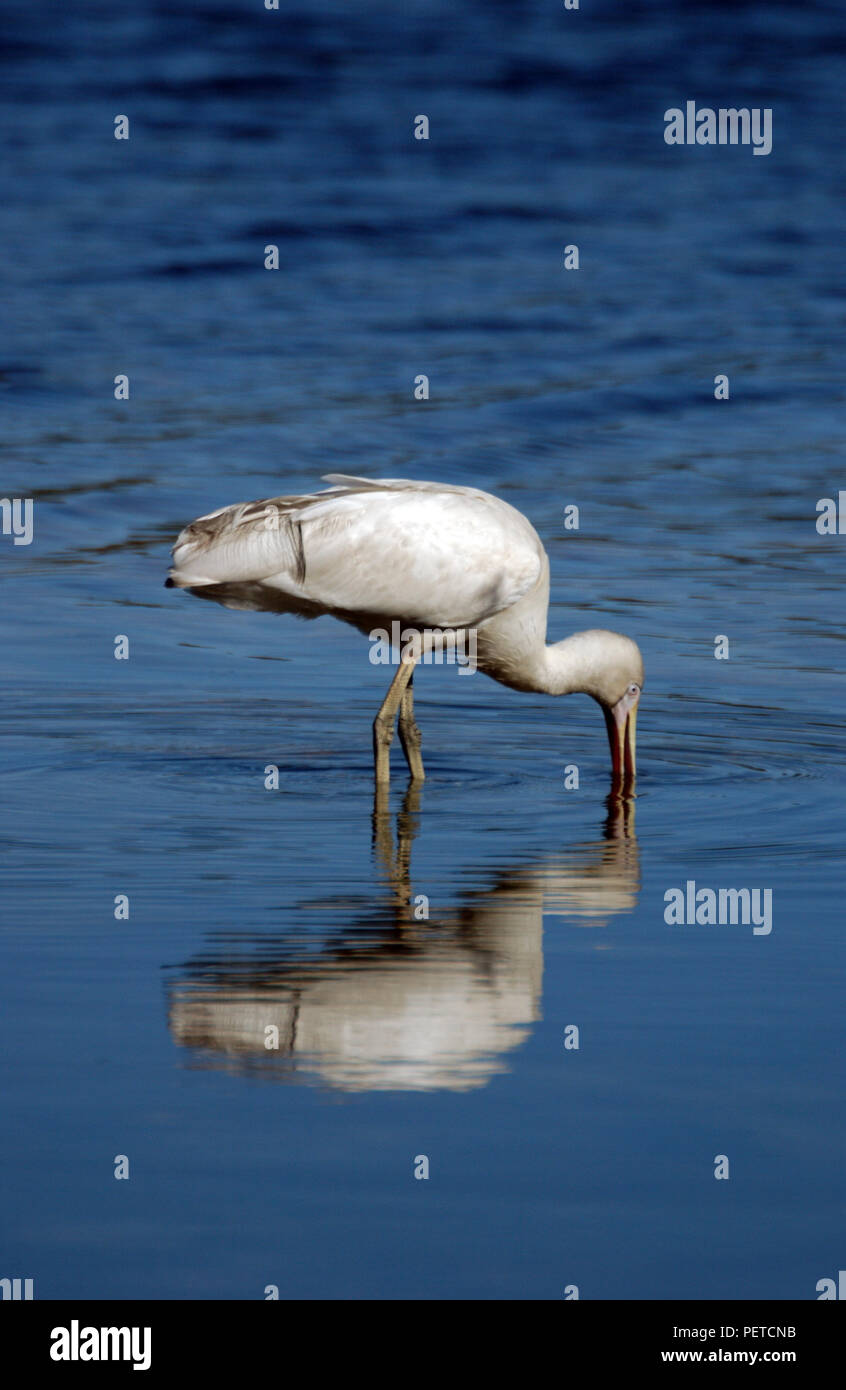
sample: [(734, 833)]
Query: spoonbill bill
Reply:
[(436, 559)]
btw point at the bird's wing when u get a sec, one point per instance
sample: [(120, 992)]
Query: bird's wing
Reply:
[(348, 482), (246, 542), (426, 553)]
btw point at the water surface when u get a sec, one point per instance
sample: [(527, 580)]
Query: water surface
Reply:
[(399, 1035)]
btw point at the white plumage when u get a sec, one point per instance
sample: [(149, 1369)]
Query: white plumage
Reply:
[(431, 556)]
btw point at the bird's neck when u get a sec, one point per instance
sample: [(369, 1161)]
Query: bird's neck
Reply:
[(561, 669), (513, 649), (568, 667)]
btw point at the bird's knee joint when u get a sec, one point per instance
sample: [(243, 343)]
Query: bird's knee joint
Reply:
[(383, 730)]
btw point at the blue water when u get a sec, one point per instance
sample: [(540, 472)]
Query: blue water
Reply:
[(294, 908)]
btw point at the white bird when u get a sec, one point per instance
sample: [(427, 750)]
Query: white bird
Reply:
[(439, 560)]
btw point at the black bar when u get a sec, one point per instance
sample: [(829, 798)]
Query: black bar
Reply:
[(243, 1338)]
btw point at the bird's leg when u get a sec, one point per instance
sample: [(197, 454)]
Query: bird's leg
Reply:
[(383, 724), (396, 868), (409, 733), (383, 842)]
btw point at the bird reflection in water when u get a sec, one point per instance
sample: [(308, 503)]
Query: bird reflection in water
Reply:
[(394, 1003)]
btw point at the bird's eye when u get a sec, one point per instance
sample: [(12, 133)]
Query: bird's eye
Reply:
[(634, 689)]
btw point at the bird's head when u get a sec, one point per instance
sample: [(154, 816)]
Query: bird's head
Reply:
[(608, 667), (617, 687)]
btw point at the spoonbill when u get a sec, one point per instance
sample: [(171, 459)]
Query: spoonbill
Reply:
[(437, 559)]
